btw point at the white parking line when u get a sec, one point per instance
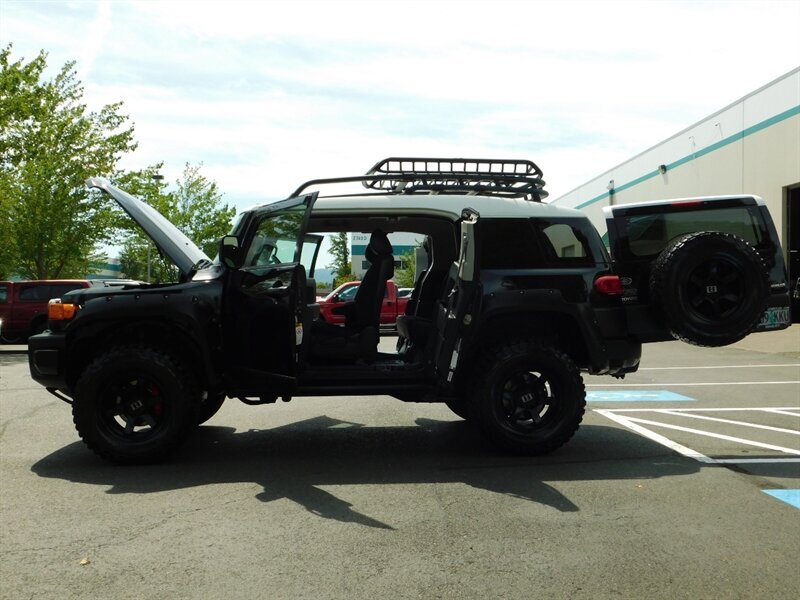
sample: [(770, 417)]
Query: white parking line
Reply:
[(737, 409), (637, 425), (661, 385), (666, 411), (718, 367), (718, 436), (659, 439), (784, 411)]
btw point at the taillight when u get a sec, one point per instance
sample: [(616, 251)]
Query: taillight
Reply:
[(610, 285), (56, 311)]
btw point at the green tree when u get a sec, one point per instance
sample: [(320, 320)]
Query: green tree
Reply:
[(49, 144), (406, 275), (340, 252), (194, 206)]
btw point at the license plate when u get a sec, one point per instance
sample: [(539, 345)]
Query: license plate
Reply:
[(777, 317)]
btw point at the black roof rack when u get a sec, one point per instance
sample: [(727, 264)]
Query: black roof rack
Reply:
[(473, 176)]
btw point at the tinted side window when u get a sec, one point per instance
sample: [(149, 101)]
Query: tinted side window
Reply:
[(535, 243), (348, 293), (508, 244), (34, 293), (3, 294), (564, 241), (276, 238)]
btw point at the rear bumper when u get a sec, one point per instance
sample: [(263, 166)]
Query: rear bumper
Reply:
[(47, 358)]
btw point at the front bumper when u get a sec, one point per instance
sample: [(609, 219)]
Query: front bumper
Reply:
[(47, 359)]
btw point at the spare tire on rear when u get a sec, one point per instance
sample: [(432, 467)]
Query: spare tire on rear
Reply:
[(710, 287)]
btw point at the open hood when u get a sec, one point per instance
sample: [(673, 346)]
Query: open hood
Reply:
[(170, 240)]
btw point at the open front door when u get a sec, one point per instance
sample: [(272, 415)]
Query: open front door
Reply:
[(267, 309), (456, 314)]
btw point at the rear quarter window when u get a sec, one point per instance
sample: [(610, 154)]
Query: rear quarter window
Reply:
[(538, 243)]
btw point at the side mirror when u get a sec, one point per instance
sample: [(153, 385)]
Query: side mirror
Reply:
[(229, 251), (335, 298)]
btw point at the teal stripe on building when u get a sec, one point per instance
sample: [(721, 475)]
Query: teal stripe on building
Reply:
[(787, 114)]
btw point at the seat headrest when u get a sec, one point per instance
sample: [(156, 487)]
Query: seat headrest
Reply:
[(379, 245)]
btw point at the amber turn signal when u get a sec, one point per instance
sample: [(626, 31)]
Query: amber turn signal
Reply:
[(56, 311)]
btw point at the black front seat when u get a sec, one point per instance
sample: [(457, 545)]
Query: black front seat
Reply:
[(359, 337)]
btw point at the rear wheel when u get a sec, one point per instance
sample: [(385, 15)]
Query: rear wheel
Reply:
[(133, 405), (527, 398), (711, 288)]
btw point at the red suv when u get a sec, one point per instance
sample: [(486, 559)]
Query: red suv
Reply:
[(23, 305)]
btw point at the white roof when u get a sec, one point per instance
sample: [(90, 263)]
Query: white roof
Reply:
[(443, 205)]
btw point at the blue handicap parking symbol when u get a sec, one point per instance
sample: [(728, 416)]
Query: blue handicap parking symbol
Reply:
[(636, 396)]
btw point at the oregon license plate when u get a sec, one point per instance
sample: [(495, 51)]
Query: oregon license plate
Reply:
[(776, 317)]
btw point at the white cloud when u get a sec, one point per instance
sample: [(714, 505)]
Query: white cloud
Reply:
[(93, 41), (268, 94)]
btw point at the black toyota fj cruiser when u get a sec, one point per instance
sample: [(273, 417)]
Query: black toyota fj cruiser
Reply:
[(518, 298)]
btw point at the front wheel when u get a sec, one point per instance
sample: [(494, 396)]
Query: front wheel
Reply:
[(527, 398), (133, 405)]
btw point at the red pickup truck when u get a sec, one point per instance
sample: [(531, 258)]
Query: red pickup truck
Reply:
[(23, 305), (392, 304)]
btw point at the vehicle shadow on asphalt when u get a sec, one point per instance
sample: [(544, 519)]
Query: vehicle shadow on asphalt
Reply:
[(293, 461)]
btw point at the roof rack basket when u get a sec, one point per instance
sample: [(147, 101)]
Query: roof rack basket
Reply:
[(484, 176), (471, 176)]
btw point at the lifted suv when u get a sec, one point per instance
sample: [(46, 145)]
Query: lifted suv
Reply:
[(517, 299)]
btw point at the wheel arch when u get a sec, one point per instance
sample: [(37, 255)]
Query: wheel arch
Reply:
[(559, 329), (161, 334)]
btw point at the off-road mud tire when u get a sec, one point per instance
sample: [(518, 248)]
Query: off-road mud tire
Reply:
[(527, 397), (710, 287), (133, 405)]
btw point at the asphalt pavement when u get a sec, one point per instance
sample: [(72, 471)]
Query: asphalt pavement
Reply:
[(679, 484)]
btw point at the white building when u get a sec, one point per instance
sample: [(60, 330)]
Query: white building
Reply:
[(749, 147), (403, 243)]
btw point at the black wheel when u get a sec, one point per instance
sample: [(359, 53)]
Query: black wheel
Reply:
[(12, 339), (208, 406), (711, 288), (133, 405), (527, 398), (459, 406)]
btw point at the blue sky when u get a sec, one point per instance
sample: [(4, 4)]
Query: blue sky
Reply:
[(269, 94)]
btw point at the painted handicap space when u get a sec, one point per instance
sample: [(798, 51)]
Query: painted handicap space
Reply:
[(696, 424), (636, 396), (791, 497)]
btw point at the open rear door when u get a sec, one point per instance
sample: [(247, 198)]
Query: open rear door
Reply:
[(456, 314)]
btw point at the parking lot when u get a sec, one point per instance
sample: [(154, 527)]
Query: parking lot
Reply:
[(682, 483)]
